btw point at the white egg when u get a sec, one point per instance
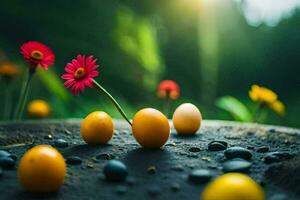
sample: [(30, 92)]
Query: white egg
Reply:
[(187, 119)]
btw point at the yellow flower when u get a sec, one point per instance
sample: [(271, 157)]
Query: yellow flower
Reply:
[(38, 108), (278, 107), (262, 95), (9, 70)]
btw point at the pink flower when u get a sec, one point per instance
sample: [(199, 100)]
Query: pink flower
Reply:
[(80, 73), (37, 54)]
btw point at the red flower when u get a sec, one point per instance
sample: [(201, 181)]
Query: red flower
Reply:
[(168, 89), (80, 73), (37, 54)]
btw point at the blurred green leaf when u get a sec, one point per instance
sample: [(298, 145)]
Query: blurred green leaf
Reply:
[(54, 84), (235, 108), (136, 36)]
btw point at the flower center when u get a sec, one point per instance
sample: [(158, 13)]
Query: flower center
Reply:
[(37, 55), (79, 73)]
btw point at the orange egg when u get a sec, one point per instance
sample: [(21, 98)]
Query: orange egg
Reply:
[(97, 128), (187, 119), (233, 186), (150, 128), (42, 169), (38, 108)]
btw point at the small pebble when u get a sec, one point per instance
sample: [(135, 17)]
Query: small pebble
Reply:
[(151, 170), (194, 149), (4, 153), (217, 146), (250, 147), (153, 191), (61, 143), (7, 163), (104, 156), (90, 165), (205, 158), (14, 157), (262, 149), (115, 170), (131, 181), (126, 132), (175, 187), (237, 152), (74, 160), (67, 132), (236, 165), (250, 133), (277, 157), (279, 197), (121, 189), (200, 176), (178, 168), (48, 137), (272, 130)]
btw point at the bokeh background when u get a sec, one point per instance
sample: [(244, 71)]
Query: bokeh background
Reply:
[(211, 48)]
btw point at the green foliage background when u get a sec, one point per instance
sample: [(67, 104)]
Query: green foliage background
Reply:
[(210, 53)]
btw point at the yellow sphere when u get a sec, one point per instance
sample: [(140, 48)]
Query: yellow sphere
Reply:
[(233, 186), (150, 128), (187, 119), (42, 169), (97, 128), (38, 108)]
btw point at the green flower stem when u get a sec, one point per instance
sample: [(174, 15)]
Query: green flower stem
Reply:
[(7, 101), (101, 89), (258, 112), (23, 97), (167, 105)]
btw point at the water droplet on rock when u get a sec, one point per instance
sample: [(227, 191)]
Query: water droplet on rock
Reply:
[(48, 137)]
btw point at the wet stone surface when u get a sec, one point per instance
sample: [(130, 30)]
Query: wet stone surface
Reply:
[(237, 165), (157, 174), (200, 176), (237, 152)]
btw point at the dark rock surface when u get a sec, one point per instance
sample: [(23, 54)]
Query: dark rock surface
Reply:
[(173, 163)]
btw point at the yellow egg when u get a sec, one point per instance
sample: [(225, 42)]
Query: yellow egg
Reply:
[(97, 128), (42, 169), (187, 119), (38, 108), (150, 128), (233, 186)]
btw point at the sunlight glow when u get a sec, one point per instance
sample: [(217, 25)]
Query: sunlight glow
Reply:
[(270, 12)]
